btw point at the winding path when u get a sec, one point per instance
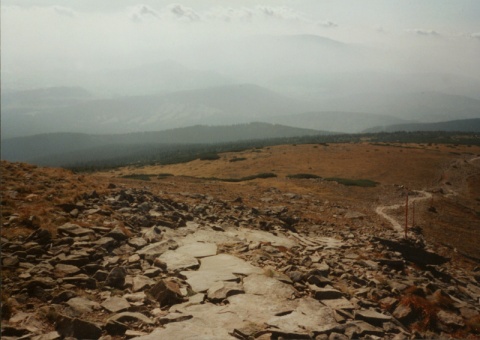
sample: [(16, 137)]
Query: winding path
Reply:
[(381, 209)]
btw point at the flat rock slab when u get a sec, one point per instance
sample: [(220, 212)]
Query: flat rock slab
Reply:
[(260, 284), (131, 316), (339, 304), (141, 282), (157, 248), (260, 308), (210, 236), (208, 321), (222, 267), (263, 236), (62, 270), (116, 304), (326, 293), (372, 317), (71, 229), (82, 305), (308, 318), (198, 249), (221, 290), (178, 261)]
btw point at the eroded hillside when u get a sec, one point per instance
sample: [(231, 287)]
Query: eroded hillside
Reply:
[(173, 254)]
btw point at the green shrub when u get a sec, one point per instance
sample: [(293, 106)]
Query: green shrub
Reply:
[(303, 176), (209, 157), (237, 159), (247, 178), (141, 177), (366, 183), (164, 175)]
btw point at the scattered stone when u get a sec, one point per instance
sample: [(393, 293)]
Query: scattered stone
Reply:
[(175, 261), (131, 316), (339, 304), (221, 290), (62, 270), (450, 319), (77, 328), (402, 312), (117, 234), (63, 296), (308, 318), (166, 292), (116, 277), (358, 329), (198, 249), (141, 282), (262, 285), (154, 250), (115, 304), (372, 317), (327, 293), (81, 305), (222, 267), (74, 230)]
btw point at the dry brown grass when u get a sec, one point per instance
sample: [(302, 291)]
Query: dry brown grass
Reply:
[(31, 194), (416, 166)]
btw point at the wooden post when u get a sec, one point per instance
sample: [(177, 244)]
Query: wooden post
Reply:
[(413, 214), (406, 213)]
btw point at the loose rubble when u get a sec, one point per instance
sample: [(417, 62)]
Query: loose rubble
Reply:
[(151, 267)]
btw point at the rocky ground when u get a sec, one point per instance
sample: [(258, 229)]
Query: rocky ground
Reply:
[(120, 261)]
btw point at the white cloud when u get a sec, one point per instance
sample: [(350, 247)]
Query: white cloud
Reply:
[(326, 24), (184, 13), (142, 12), (475, 35), (64, 11), (424, 32)]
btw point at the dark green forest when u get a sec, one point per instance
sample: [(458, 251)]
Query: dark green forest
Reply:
[(161, 154)]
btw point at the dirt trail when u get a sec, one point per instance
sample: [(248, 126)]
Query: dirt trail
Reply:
[(381, 209)]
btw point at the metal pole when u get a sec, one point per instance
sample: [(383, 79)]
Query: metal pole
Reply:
[(406, 213)]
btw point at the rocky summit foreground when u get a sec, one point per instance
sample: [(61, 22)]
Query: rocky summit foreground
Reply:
[(133, 263)]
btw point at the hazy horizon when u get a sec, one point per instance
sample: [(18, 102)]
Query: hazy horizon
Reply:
[(344, 55)]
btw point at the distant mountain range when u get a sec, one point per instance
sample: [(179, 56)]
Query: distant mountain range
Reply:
[(336, 121), (64, 145), (417, 106), (76, 110), (222, 105), (464, 125), (66, 149)]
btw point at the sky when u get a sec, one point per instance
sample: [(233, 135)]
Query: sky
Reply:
[(42, 38)]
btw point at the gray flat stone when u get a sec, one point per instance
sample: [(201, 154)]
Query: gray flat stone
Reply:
[(71, 229), (141, 282), (198, 249), (115, 304), (62, 270), (222, 267), (339, 304), (260, 284), (178, 261), (326, 293), (158, 248), (82, 305), (208, 321), (372, 317), (308, 318), (221, 290), (260, 308), (131, 316)]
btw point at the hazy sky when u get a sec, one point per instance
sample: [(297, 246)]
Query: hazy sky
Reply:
[(43, 36)]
